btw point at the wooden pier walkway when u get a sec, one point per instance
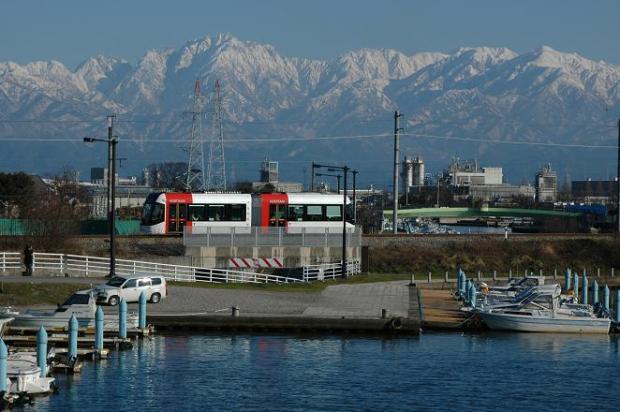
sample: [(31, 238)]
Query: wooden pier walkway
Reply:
[(440, 310)]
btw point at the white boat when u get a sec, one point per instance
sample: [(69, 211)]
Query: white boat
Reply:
[(81, 303), (25, 376), (545, 312)]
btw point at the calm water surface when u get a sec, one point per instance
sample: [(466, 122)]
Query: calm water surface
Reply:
[(439, 372)]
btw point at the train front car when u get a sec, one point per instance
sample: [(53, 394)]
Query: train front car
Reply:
[(154, 214)]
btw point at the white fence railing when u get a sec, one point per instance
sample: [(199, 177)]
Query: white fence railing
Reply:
[(330, 271), (269, 237), (10, 261), (100, 266)]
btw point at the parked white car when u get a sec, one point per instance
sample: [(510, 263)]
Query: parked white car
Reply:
[(129, 287)]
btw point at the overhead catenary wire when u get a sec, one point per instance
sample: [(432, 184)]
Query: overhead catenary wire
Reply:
[(332, 138)]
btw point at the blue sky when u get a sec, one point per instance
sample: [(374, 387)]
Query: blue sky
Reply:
[(72, 30)]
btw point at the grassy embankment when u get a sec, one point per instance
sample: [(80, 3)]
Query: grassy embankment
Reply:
[(489, 255), (26, 294)]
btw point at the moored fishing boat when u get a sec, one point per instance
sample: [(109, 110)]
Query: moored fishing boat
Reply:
[(545, 312), (81, 303)]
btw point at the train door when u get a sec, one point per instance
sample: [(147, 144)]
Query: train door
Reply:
[(177, 217), (273, 211), (277, 215)]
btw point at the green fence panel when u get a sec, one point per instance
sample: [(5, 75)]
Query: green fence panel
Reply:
[(12, 227)]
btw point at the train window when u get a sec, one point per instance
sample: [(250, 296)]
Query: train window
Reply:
[(236, 213), (182, 211), (157, 213), (295, 213), (197, 213), (314, 213), (333, 213), (216, 213)]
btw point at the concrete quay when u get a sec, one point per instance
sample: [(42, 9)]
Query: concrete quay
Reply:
[(372, 308)]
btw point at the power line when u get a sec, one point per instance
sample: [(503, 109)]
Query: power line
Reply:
[(333, 138)]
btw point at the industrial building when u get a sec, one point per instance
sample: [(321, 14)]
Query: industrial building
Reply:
[(270, 178), (546, 185), (129, 194), (467, 173), (594, 191)]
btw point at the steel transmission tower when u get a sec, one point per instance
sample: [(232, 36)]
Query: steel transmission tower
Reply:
[(216, 166), (196, 164)]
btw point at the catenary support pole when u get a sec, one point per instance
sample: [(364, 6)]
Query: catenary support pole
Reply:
[(397, 116)]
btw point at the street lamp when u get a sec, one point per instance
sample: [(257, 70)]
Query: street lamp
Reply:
[(331, 175), (112, 141)]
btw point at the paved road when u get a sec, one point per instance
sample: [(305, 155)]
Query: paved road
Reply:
[(336, 301)]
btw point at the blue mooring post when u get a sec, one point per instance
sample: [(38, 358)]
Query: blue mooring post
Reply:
[(567, 276), (468, 290), (4, 356), (42, 351), (576, 286), (463, 290), (99, 330), (594, 292), (142, 311), (606, 297), (472, 295), (584, 291), (73, 337), (617, 305), (122, 319)]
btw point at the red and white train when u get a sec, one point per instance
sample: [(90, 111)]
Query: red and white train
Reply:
[(169, 213)]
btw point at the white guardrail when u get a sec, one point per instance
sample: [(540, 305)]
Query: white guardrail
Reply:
[(10, 261), (100, 266), (329, 271)]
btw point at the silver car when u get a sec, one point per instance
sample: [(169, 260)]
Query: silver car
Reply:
[(129, 287)]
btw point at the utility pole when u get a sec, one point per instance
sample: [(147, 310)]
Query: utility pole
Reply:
[(113, 142), (355, 172), (312, 178), (109, 182), (397, 129), (344, 225), (618, 182)]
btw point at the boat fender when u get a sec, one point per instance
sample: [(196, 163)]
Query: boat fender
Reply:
[(396, 324)]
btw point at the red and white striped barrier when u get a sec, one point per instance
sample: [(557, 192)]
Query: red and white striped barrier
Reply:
[(265, 263)]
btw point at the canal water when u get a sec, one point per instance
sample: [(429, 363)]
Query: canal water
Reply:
[(434, 372)]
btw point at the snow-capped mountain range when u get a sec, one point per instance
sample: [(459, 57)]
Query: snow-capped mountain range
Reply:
[(475, 93)]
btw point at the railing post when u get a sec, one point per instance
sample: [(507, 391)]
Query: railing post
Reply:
[(494, 274), (555, 273), (479, 276), (446, 277), (430, 276), (86, 266), (4, 261), (279, 237)]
